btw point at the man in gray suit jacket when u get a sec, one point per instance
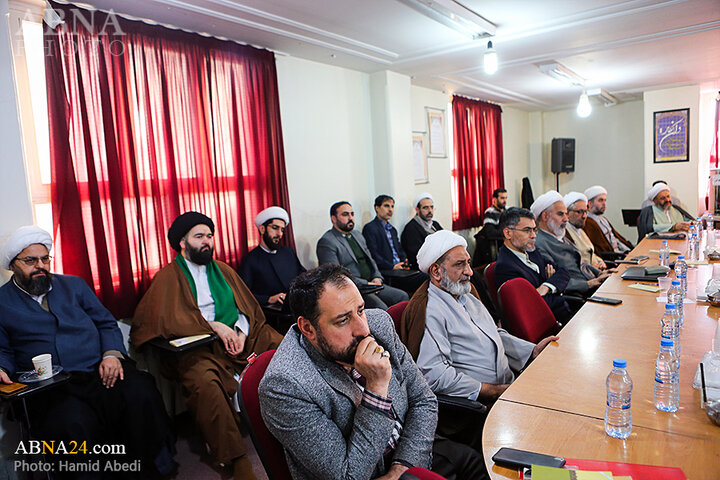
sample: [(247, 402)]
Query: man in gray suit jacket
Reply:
[(342, 245), (551, 216), (343, 395)]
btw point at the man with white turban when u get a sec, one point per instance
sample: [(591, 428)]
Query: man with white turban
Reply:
[(419, 227), (662, 216), (106, 400), (551, 216), (601, 233), (577, 207), (268, 269), (463, 353)]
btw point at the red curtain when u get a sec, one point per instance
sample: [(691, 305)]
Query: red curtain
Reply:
[(478, 167), (147, 123)]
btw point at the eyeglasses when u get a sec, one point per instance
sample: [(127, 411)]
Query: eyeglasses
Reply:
[(32, 261), (581, 212), (525, 230)]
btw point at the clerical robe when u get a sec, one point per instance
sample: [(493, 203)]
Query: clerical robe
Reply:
[(267, 274), (169, 310)]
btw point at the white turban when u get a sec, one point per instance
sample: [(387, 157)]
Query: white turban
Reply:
[(573, 197), (544, 201), (271, 213), (594, 191), (436, 245), (422, 197), (657, 188), (20, 240)]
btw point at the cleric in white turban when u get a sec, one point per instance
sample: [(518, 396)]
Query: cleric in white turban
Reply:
[(594, 191), (436, 245), (460, 350), (272, 213), (662, 215), (656, 189), (20, 240), (573, 197), (544, 201), (422, 197)]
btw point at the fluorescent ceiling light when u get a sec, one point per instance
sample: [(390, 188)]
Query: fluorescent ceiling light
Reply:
[(490, 60), (607, 99), (562, 73), (455, 15)]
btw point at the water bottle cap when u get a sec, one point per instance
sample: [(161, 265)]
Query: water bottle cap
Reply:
[(619, 363), (681, 257), (664, 242), (670, 306), (676, 282), (666, 342)]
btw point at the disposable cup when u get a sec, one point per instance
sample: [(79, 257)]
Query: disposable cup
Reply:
[(664, 283)]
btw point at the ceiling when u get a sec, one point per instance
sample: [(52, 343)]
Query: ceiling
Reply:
[(624, 47)]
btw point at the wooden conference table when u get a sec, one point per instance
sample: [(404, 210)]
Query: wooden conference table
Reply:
[(557, 405)]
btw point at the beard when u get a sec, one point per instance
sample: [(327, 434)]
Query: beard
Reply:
[(426, 217), (525, 247), (557, 228), (37, 283), (347, 227), (201, 256), (461, 287), (346, 355), (579, 224), (271, 243)]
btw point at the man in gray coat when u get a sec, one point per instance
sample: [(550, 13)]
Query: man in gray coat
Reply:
[(343, 395), (551, 216), (344, 246)]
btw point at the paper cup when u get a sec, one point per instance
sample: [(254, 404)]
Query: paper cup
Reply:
[(43, 365)]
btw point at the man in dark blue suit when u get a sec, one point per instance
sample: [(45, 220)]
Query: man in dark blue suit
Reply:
[(518, 258), (384, 245)]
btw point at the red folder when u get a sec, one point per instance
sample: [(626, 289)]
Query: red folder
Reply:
[(636, 471)]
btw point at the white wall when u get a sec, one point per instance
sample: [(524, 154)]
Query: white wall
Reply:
[(328, 146), (14, 194), (516, 151), (439, 169), (683, 177), (608, 152)]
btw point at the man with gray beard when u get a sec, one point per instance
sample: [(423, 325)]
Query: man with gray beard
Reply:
[(462, 352), (551, 216)]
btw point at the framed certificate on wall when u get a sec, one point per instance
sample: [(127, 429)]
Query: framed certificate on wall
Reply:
[(436, 132), (671, 133)]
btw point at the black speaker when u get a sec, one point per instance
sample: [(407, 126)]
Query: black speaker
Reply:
[(563, 155)]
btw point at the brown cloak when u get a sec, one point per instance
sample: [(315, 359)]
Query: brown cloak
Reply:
[(596, 236), (169, 310)]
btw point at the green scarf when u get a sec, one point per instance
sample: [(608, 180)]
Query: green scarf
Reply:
[(226, 311)]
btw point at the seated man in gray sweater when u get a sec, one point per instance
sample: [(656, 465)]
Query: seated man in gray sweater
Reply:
[(343, 395)]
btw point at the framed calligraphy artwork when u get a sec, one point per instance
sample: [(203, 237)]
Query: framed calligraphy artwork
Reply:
[(671, 133)]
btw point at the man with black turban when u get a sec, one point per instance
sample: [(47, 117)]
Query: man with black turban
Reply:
[(194, 295)]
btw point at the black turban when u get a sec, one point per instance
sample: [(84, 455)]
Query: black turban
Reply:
[(183, 224)]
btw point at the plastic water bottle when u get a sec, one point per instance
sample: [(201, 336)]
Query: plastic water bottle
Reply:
[(681, 273), (667, 385), (675, 296), (694, 247), (664, 253), (618, 417), (670, 327)]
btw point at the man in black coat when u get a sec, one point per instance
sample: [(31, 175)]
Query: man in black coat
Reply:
[(268, 269), (419, 227), (518, 258)]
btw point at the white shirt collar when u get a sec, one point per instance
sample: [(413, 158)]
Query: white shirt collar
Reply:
[(265, 249)]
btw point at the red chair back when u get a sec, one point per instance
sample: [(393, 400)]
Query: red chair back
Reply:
[(396, 312), (269, 449), (526, 313), (492, 285), (420, 474)]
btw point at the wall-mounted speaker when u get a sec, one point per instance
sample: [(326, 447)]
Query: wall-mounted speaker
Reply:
[(563, 155)]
